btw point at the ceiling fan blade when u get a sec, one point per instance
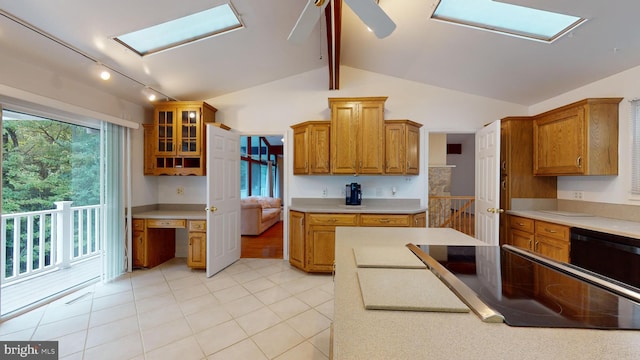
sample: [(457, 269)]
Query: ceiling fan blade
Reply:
[(307, 20), (373, 16)]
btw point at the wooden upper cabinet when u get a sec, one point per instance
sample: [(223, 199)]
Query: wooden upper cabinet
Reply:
[(311, 147), (577, 139), (176, 143), (357, 135), (402, 147)]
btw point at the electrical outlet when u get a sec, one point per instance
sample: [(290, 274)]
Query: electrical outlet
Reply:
[(578, 195), (180, 190), (325, 192)]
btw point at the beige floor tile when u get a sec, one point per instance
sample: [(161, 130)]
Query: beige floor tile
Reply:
[(185, 349), (220, 282), (191, 292), (230, 294), (303, 351), (159, 301), (243, 306), (326, 309), (289, 307), (208, 318), (199, 303), (277, 339), (254, 322), (72, 343), (114, 330), (159, 316), (22, 322), (113, 313), (314, 296), (107, 301), (245, 349), (63, 311), (184, 282), (220, 337), (165, 334), (322, 341), (236, 268), (309, 323), (20, 335), (151, 291), (272, 295), (126, 347), (61, 328), (258, 285)]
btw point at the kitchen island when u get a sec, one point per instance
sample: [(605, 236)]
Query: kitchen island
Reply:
[(383, 334)]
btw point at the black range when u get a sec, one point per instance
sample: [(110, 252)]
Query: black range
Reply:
[(528, 290)]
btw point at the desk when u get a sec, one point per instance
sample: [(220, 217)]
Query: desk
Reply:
[(154, 237)]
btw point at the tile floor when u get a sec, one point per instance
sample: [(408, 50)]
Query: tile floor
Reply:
[(254, 309)]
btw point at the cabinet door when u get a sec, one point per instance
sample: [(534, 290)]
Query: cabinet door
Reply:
[(521, 239), (149, 159), (139, 249), (319, 148), (321, 248), (394, 150), (420, 220), (412, 150), (371, 137), (344, 137), (189, 131), (300, 150), (552, 248), (385, 220), (165, 130), (559, 142), (197, 256), (296, 239)]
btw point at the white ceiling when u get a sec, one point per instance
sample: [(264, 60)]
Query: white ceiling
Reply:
[(420, 49)]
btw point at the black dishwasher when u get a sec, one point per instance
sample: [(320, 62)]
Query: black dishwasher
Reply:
[(614, 256)]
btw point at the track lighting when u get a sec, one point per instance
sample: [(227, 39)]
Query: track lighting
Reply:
[(102, 71), (149, 93)]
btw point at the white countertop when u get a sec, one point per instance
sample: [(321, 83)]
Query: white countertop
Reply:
[(371, 206), (171, 214), (596, 223), (382, 334)]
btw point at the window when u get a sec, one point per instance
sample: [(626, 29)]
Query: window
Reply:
[(259, 171), (506, 18), (184, 30), (635, 155)]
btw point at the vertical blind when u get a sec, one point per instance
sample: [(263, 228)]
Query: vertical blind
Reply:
[(635, 155)]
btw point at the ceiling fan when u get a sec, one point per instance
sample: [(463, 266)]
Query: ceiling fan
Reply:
[(367, 10)]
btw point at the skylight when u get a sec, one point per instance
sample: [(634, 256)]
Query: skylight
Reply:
[(201, 25), (506, 18)]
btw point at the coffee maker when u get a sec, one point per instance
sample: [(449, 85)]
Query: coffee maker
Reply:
[(353, 194)]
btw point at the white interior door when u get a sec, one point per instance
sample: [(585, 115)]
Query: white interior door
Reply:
[(223, 199), (487, 183)]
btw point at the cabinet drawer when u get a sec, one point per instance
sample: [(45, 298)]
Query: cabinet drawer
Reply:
[(333, 219), (165, 223), (385, 220), (198, 225), (138, 224), (520, 223), (552, 230)]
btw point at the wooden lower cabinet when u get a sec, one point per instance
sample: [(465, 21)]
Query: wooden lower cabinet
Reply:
[(312, 236), (545, 238), (154, 242), (197, 254), (296, 239)]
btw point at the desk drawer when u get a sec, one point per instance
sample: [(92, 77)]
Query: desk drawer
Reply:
[(166, 223), (333, 219), (198, 225), (385, 220)]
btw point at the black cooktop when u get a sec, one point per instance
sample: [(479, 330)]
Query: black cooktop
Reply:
[(533, 294)]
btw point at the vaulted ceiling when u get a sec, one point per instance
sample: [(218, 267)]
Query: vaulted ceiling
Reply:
[(420, 49)]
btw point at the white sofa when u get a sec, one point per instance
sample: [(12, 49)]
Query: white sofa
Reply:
[(259, 213)]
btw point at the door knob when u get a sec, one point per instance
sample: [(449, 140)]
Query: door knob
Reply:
[(212, 209), (495, 211)]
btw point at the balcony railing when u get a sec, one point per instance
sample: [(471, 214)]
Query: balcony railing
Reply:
[(452, 211), (37, 242)]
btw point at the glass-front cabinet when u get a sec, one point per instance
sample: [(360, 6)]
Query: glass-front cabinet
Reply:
[(178, 137)]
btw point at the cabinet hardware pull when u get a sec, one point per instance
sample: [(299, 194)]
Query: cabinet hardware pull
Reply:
[(504, 184), (535, 246), (579, 161), (504, 165), (550, 231), (384, 220), (520, 224)]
